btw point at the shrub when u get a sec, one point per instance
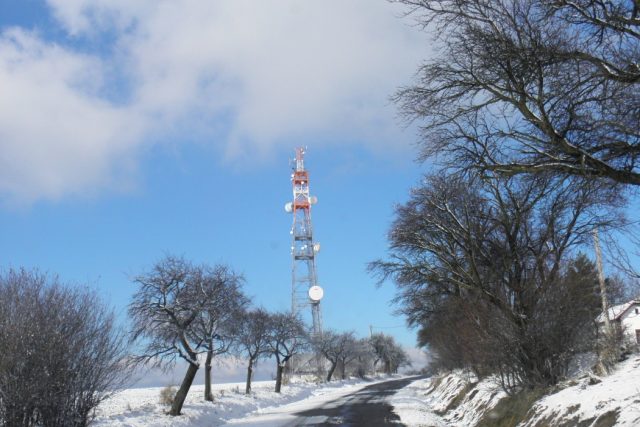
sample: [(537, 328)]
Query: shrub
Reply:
[(62, 353), (167, 394)]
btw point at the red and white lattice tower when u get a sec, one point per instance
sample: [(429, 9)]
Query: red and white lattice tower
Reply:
[(305, 291)]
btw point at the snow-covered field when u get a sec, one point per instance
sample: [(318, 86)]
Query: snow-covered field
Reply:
[(456, 399), (141, 407)]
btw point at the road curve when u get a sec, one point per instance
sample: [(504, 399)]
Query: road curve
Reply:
[(367, 408)]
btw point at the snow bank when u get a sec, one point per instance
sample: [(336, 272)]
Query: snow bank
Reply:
[(614, 400), (414, 405), (141, 407), (458, 399)]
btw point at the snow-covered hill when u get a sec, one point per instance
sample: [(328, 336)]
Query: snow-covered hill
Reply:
[(456, 399)]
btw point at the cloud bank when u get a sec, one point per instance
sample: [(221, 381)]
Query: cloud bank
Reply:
[(238, 74)]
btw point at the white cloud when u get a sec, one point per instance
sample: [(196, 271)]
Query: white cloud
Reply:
[(55, 137), (269, 71), (283, 68)]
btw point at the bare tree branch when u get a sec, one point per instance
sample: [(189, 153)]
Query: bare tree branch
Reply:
[(532, 86)]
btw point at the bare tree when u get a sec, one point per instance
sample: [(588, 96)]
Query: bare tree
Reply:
[(620, 259), (287, 338), (169, 300), (387, 351), (364, 362), (254, 337), (380, 343), (531, 86), (333, 346), (61, 352), (223, 305), (355, 350), (489, 252)]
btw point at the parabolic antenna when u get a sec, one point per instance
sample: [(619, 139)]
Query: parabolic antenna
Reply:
[(313, 200), (288, 207), (315, 293), (316, 247)]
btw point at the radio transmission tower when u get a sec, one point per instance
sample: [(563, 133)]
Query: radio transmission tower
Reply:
[(305, 291)]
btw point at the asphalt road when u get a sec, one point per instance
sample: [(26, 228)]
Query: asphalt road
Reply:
[(366, 408)]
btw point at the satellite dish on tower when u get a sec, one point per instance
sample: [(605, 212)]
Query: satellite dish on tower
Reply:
[(315, 293), (313, 200), (288, 207)]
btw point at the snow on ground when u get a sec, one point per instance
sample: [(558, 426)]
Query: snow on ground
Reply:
[(414, 406), (454, 399), (616, 397), (141, 407), (457, 399)]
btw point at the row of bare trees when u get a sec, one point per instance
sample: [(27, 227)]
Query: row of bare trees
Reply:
[(188, 312), (62, 353), (531, 109), (359, 356), (263, 334)]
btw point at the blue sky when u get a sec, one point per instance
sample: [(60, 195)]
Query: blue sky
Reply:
[(132, 129)]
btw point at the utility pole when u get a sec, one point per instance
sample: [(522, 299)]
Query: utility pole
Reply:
[(601, 281)]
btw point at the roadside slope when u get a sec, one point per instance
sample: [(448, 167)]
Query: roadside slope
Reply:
[(458, 399)]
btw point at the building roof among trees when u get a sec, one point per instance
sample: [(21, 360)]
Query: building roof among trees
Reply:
[(616, 312)]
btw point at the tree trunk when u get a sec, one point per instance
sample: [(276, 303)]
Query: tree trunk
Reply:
[(387, 367), (247, 389), (331, 369), (343, 369), (181, 395), (279, 371), (208, 395), (281, 366)]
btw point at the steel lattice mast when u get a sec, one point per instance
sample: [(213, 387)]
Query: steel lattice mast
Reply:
[(305, 291)]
